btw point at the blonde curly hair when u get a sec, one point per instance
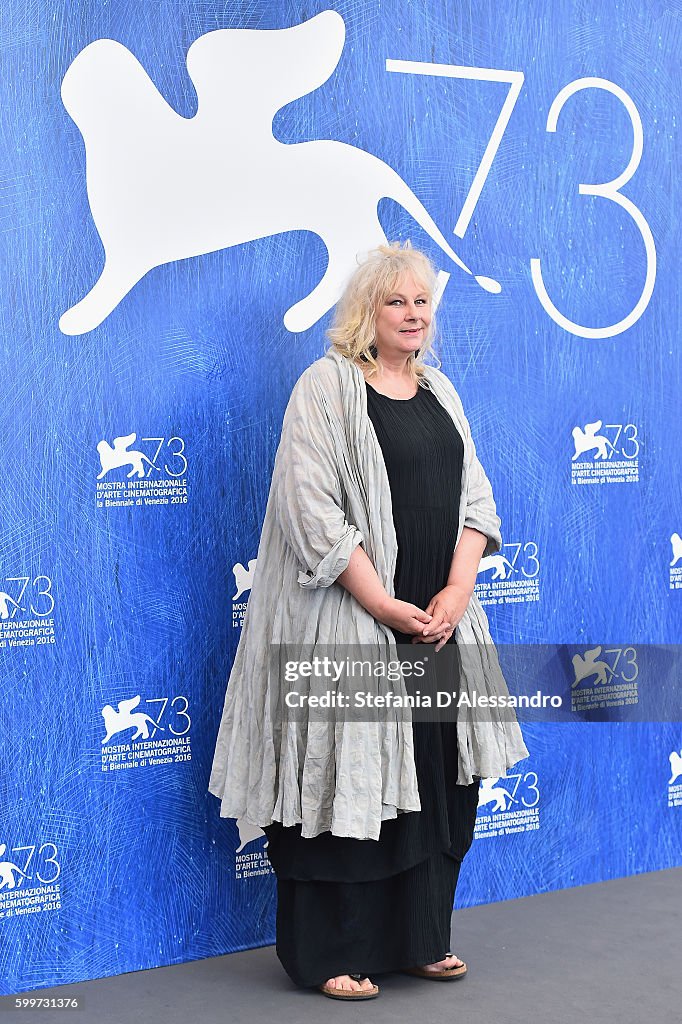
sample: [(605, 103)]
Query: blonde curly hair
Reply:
[(352, 332)]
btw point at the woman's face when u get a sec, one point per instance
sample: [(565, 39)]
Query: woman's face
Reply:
[(403, 319)]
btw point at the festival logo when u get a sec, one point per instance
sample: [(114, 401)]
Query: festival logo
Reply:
[(604, 677), (605, 453), (130, 477), (507, 805), (134, 732), (29, 879), (163, 187), (510, 576), (26, 611)]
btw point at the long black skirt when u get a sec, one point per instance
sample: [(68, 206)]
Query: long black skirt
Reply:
[(325, 929)]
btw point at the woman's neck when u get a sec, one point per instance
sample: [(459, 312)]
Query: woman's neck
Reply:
[(393, 381), (394, 372)]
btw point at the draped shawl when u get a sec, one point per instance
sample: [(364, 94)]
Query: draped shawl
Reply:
[(329, 493)]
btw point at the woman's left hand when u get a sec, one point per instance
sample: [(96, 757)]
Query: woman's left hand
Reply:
[(447, 608)]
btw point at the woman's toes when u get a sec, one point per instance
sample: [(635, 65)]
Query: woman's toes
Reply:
[(448, 961), (345, 983)]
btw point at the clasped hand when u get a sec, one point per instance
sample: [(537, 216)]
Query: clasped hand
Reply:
[(436, 623)]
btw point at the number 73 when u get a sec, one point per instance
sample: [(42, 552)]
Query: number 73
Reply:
[(605, 190)]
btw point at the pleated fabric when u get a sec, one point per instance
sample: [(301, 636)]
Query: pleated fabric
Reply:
[(348, 905)]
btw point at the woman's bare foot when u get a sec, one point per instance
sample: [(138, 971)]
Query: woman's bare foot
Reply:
[(344, 981), (449, 961)]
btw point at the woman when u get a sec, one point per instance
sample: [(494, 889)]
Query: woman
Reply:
[(378, 515)]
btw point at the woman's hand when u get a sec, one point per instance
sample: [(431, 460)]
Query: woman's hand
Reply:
[(402, 616), (446, 609)]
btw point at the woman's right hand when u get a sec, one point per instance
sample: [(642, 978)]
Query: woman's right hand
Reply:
[(402, 616)]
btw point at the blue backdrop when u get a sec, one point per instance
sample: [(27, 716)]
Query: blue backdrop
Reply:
[(139, 435)]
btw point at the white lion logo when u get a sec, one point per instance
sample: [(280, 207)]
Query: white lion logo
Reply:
[(589, 665), (501, 565), (118, 455), (587, 439), (675, 766), (491, 793), (5, 601), (248, 833), (7, 869), (243, 577), (119, 721), (163, 187)]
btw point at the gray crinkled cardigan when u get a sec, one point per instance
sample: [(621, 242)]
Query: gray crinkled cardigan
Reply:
[(329, 493)]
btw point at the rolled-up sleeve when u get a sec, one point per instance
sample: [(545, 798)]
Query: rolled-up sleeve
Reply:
[(308, 497)]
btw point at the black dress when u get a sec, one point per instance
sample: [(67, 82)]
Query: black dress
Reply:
[(363, 906)]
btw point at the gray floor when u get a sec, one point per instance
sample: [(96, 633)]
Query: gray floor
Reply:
[(598, 953)]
